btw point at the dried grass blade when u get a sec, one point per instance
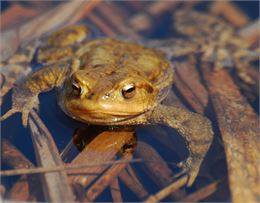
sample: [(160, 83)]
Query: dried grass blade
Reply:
[(157, 169), (55, 185), (239, 127), (70, 168), (13, 158), (105, 10), (189, 85), (202, 193), (133, 184), (116, 191), (60, 15), (251, 32), (102, 148), (230, 12), (167, 190), (105, 179)]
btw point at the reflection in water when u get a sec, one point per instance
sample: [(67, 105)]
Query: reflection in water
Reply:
[(80, 143)]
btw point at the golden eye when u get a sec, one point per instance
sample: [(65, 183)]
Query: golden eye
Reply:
[(76, 88), (128, 91)]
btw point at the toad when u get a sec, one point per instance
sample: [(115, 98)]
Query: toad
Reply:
[(111, 82)]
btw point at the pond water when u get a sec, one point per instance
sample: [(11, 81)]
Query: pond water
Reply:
[(171, 148)]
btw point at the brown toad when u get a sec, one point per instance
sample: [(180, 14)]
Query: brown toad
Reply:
[(111, 82)]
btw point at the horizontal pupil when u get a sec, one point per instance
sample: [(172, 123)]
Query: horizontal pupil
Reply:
[(75, 87), (129, 90)]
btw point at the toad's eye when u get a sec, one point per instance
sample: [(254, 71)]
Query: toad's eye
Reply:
[(128, 91), (76, 88)]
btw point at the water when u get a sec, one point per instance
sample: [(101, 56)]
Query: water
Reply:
[(62, 128)]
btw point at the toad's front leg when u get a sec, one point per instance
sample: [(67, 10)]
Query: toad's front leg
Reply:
[(195, 128), (25, 93)]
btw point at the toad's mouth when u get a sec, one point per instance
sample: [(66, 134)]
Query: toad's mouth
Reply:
[(99, 117)]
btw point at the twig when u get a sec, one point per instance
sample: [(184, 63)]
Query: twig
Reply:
[(105, 179), (106, 11), (133, 184), (85, 11), (63, 168), (149, 18), (202, 193), (17, 13), (158, 7), (251, 32), (231, 12), (102, 26), (2, 190), (13, 158), (167, 190), (157, 170), (189, 85), (115, 190)]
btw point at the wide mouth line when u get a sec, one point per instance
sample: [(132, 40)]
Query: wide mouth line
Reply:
[(126, 118), (115, 119), (111, 113)]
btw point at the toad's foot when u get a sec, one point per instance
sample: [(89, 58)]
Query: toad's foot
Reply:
[(25, 94), (195, 128), (22, 104), (191, 167)]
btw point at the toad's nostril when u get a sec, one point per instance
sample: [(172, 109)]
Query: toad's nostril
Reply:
[(106, 96), (90, 96)]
